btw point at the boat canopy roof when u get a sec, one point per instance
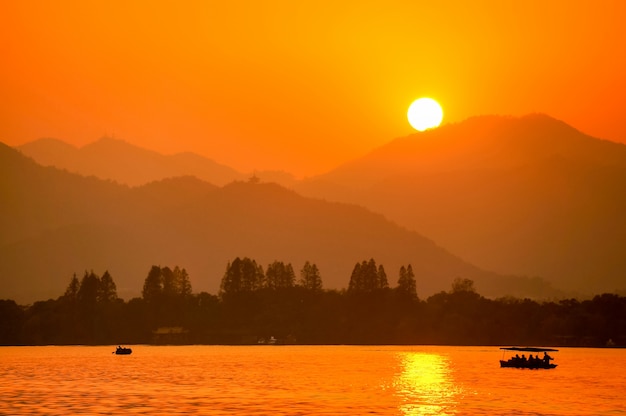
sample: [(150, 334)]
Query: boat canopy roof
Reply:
[(528, 349)]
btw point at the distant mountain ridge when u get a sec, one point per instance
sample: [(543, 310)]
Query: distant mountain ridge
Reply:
[(122, 162), (528, 195), (478, 143), (518, 195), (59, 223)]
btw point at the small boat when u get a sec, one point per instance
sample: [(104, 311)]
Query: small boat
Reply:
[(530, 362), (123, 351)]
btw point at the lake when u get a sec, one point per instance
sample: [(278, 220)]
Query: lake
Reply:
[(306, 380)]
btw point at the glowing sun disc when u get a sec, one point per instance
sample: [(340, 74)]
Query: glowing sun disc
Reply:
[(424, 113)]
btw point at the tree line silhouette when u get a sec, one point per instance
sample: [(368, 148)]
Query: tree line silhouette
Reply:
[(256, 305)]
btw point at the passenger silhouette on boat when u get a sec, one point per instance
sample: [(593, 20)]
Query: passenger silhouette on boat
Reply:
[(546, 358)]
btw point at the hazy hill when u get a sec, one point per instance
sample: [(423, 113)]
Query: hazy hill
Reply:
[(122, 162), (528, 195), (56, 223)]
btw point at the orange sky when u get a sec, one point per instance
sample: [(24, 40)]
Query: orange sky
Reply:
[(300, 85)]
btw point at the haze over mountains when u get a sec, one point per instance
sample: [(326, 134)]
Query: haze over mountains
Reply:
[(120, 161), (530, 196), (56, 223), (527, 196)]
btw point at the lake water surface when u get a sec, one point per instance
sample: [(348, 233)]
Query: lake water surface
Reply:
[(306, 380)]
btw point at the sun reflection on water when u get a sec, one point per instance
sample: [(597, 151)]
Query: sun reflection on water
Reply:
[(426, 385)]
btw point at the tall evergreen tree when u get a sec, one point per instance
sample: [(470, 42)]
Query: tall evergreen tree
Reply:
[(289, 277), (153, 285), (310, 278), (253, 274), (279, 275), (71, 293), (108, 289), (371, 277), (242, 275), (356, 280), (170, 284), (88, 297), (406, 282), (382, 278), (412, 283), (231, 281), (367, 277), (89, 289), (183, 282), (272, 275)]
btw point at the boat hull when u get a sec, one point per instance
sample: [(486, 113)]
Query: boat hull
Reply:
[(123, 351), (531, 366)]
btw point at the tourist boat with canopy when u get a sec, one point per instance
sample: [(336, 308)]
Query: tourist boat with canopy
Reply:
[(530, 362)]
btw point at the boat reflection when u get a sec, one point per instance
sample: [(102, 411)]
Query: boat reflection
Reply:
[(425, 385)]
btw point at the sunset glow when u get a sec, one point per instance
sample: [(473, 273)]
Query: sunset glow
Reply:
[(300, 87), (312, 207)]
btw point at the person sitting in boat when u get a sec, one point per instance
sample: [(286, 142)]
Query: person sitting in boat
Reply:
[(546, 358), (523, 361)]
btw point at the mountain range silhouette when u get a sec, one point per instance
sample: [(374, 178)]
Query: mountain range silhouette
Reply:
[(59, 223), (530, 197)]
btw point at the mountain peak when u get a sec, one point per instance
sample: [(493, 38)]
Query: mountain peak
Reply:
[(123, 162), (487, 143), (49, 141), (528, 195), (49, 151), (117, 148)]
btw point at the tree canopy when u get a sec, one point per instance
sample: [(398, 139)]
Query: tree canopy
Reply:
[(254, 305)]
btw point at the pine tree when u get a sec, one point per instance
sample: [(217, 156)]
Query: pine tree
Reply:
[(242, 275), (183, 282), (289, 277), (89, 289), (406, 282), (382, 278), (153, 285), (252, 275), (279, 275), (71, 293), (108, 289), (367, 278), (170, 285), (371, 282), (356, 279), (310, 278), (272, 275)]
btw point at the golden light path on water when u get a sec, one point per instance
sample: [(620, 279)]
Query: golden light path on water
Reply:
[(426, 385), (306, 380)]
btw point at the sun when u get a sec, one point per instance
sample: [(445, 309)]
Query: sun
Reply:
[(425, 113)]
